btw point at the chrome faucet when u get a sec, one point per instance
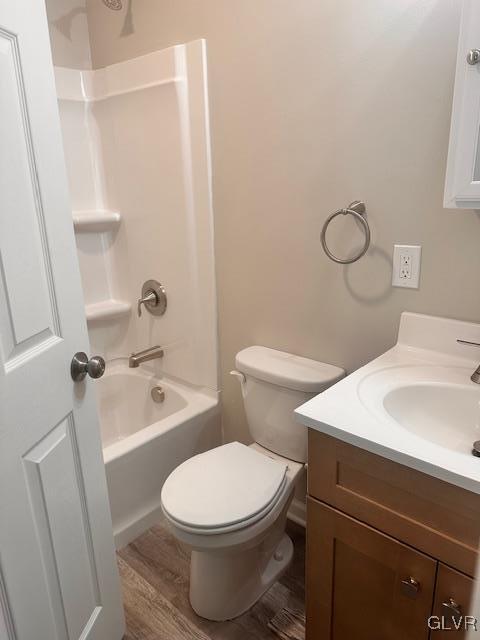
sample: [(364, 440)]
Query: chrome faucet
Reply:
[(149, 299), (475, 377), (154, 298), (152, 353)]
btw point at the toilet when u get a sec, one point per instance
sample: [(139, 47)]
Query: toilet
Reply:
[(230, 504)]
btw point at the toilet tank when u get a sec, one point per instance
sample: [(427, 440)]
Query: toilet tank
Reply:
[(274, 384)]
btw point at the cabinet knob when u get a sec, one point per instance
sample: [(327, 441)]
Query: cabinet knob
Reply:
[(410, 587), (451, 608), (473, 56)]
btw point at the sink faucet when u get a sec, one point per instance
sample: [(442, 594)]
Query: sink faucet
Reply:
[(152, 353), (475, 377)]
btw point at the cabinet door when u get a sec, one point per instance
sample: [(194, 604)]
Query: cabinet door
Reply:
[(462, 187), (363, 584), (453, 593)]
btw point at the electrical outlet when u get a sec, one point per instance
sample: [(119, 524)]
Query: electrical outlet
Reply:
[(406, 266)]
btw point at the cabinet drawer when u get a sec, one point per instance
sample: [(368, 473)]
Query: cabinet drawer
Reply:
[(355, 581), (429, 514)]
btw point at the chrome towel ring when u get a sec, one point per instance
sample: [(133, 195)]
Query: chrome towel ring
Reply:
[(358, 210)]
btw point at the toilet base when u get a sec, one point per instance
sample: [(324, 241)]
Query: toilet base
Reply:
[(225, 585)]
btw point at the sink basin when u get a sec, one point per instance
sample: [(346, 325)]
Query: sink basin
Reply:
[(447, 415), (436, 403), (415, 404)]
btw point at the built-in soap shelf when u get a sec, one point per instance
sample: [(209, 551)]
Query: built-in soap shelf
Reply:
[(107, 309), (95, 262), (96, 221)]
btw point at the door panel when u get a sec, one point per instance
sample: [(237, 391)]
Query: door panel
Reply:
[(58, 576), (354, 581), (22, 223), (56, 488)]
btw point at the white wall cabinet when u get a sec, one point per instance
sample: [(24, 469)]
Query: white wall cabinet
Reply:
[(462, 188)]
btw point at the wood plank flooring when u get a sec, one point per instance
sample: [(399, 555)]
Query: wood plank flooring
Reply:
[(154, 570)]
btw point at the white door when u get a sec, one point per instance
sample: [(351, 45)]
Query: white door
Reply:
[(58, 577)]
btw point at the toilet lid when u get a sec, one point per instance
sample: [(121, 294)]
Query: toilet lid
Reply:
[(222, 487)]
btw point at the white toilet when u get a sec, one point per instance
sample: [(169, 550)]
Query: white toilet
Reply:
[(230, 504)]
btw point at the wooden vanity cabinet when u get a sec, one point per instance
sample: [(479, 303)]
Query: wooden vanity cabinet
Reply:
[(387, 547)]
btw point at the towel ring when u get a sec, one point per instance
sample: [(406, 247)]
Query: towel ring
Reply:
[(358, 210)]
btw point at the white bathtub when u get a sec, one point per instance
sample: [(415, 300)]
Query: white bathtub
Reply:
[(144, 441)]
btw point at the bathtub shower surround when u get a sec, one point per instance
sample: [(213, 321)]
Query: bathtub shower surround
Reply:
[(137, 149)]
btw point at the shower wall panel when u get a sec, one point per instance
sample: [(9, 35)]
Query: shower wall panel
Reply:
[(136, 138)]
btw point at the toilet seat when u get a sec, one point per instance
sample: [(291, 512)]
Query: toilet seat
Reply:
[(224, 489)]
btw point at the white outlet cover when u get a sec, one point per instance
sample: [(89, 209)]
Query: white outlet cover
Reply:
[(414, 253)]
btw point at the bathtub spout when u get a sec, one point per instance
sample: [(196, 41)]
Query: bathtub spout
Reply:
[(152, 353)]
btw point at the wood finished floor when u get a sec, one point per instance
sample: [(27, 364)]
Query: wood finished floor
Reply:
[(154, 571)]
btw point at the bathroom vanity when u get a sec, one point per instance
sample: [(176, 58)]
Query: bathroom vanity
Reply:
[(393, 517), (387, 546)]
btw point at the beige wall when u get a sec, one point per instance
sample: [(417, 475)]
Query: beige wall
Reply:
[(67, 21), (316, 103)]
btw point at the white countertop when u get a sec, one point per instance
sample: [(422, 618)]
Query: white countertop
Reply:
[(427, 352)]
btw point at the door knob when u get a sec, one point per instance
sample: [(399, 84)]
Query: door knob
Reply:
[(81, 366), (473, 56)]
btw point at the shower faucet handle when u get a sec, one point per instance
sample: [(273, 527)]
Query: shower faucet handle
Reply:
[(149, 298), (154, 298)]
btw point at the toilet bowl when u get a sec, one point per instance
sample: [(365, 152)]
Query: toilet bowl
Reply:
[(240, 548), (230, 504)]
